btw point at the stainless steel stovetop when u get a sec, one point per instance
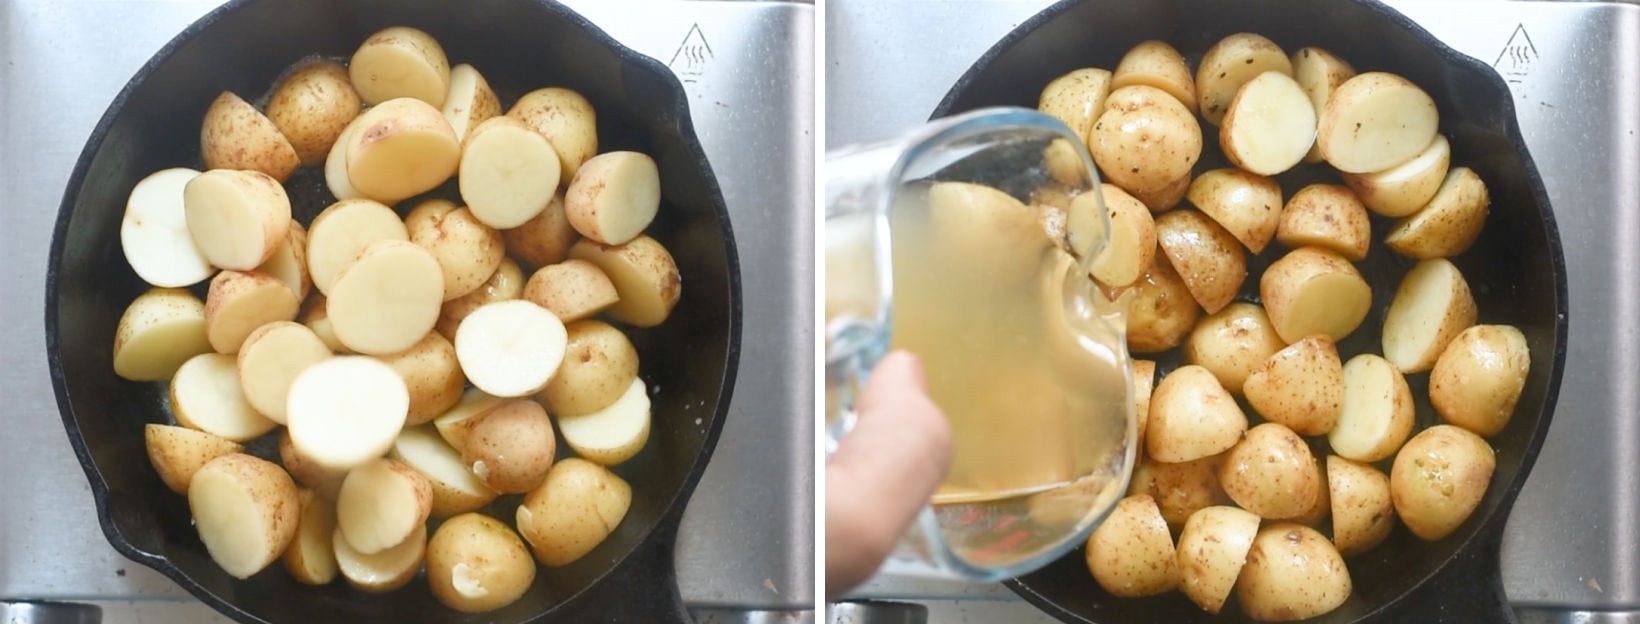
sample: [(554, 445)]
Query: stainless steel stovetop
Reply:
[(1572, 549), (745, 549)]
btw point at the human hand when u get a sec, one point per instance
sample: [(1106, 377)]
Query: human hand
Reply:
[(883, 471)]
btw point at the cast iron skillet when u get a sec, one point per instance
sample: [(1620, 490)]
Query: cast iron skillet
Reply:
[(689, 361), (1516, 270)]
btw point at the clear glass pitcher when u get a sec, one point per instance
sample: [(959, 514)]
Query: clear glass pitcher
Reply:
[(969, 242)]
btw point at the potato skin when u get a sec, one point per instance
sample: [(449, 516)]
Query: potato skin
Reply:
[(1131, 553), (1271, 472), (544, 239), (1292, 573), (1288, 278), (1181, 489), (1208, 258), (1156, 64), (178, 452), (507, 283), (1192, 416), (1212, 549), (235, 135), (511, 448), (1439, 478), (431, 374), (599, 364), (572, 289), (1301, 386), (1362, 511), (1130, 222), (1479, 377), (1076, 98), (467, 251), (1326, 215), (568, 121), (1232, 343), (311, 106), (490, 555), (275, 495), (1247, 205), (573, 511), (1162, 311), (1449, 224), (1145, 140)]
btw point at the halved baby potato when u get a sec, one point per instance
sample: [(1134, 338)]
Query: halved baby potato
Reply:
[(311, 557), (342, 230), (1292, 573), (154, 232), (1229, 64), (1319, 73), (1375, 121), (336, 164), (1144, 382), (476, 563), (572, 290), (161, 329), (1430, 308), (1378, 413), (1076, 98), (1156, 64), (1212, 549), (573, 511), (508, 173), (311, 105), (1439, 478), (1245, 204), (645, 277), (236, 136), (1362, 511), (205, 395), (387, 298), (614, 196), (271, 358), (1327, 216), (178, 452), (1479, 377), (1191, 417), (568, 121), (456, 425), (1269, 126), (431, 374), (1405, 188), (506, 284), (1301, 386), (237, 218), (1232, 343), (1207, 257), (1314, 291), (1162, 311), (382, 503), (511, 348), (1179, 489), (1132, 242), (1131, 553), (468, 251), (400, 62), (1449, 224), (599, 365), (245, 509), (1271, 472), (289, 262), (511, 448), (384, 571), (544, 239), (613, 434), (346, 411), (455, 489), (240, 302), (401, 148), (470, 101)]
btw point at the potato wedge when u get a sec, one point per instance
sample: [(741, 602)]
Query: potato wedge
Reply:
[(568, 121), (1269, 126), (1449, 224), (507, 283), (154, 232), (1132, 243), (245, 509), (510, 348), (1361, 508), (1131, 553), (1144, 382), (346, 411), (270, 360), (1327, 216), (1145, 140), (1375, 121), (544, 239), (1301, 386), (1406, 188), (1378, 412), (176, 453), (1208, 258), (1191, 417), (1229, 64), (1179, 489), (1212, 548), (455, 489), (432, 376), (311, 105), (1246, 205), (572, 290), (205, 395), (613, 197), (237, 218), (311, 557), (344, 229), (384, 571), (476, 563), (613, 434), (573, 511), (1076, 98), (240, 302), (645, 276), (511, 448), (468, 252), (599, 364), (1314, 291), (1439, 479), (381, 504), (1431, 306), (1162, 311), (457, 424), (1479, 377), (236, 136), (402, 147), (161, 329), (1232, 343), (470, 101), (1156, 64), (1292, 573), (325, 482), (387, 298), (1319, 73), (1271, 472), (509, 173), (400, 62)]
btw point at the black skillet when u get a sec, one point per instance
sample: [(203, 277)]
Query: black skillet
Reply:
[(689, 361), (1516, 270)]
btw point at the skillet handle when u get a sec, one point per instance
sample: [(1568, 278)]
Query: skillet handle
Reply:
[(1469, 589), (642, 589)]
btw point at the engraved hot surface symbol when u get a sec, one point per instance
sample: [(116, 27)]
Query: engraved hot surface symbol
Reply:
[(690, 60), (1518, 56)]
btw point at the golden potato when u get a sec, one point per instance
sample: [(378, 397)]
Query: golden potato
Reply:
[(1132, 243), (1449, 224), (572, 289), (238, 219), (1247, 205), (476, 563), (205, 395), (1131, 553), (236, 136), (311, 106), (1439, 478), (381, 504), (1375, 121), (178, 452), (1361, 508), (161, 329), (311, 556), (456, 490), (1319, 73), (289, 262), (599, 364), (1156, 64), (1318, 512), (573, 511), (470, 102), (511, 447), (1479, 377), (1162, 311), (1271, 472), (1229, 64), (1144, 381), (1314, 291), (1327, 216), (344, 229), (1212, 549), (1301, 386), (1207, 257), (1405, 188), (1232, 343), (270, 359), (568, 121), (1145, 140), (402, 147), (240, 302), (245, 509), (645, 276), (468, 252), (431, 375), (1378, 413), (384, 571), (1076, 98), (1179, 489), (544, 239), (614, 196), (1292, 573), (1191, 417), (1431, 306), (1269, 126), (400, 62)]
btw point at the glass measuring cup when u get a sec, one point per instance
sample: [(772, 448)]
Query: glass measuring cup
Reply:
[(969, 242)]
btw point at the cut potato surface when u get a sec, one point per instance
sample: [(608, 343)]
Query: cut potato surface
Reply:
[(468, 252), (613, 434), (1439, 479), (455, 425), (402, 147), (1206, 256), (1378, 412), (1327, 216), (1229, 64), (246, 511), (387, 299), (1233, 343), (1405, 188), (613, 197), (1375, 121), (1361, 508), (311, 558), (311, 106), (1212, 548), (470, 101), (1301, 386), (1156, 64), (509, 173), (1314, 291), (384, 571), (573, 511), (205, 395), (178, 452), (1076, 98), (336, 164), (289, 262), (1247, 205), (344, 229), (346, 411), (1431, 306), (236, 218), (544, 239), (566, 119), (1131, 553), (161, 329), (1191, 417), (382, 503), (476, 563), (1269, 126), (510, 348), (318, 319), (1132, 243), (645, 277), (1319, 73), (1479, 377), (1449, 224), (238, 303), (455, 489), (154, 232), (270, 360), (400, 62), (235, 135), (1292, 573)]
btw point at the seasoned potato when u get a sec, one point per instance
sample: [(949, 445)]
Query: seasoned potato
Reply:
[(1292, 573), (470, 101), (1132, 242), (1246, 205), (614, 433), (240, 302), (1378, 413), (431, 375), (1319, 73), (1271, 472), (1438, 480), (269, 361), (1361, 509), (1314, 291), (977, 220), (346, 411), (1208, 258), (205, 395), (1212, 549), (572, 290), (178, 452), (1327, 216), (402, 147), (237, 218), (1431, 306), (1191, 417), (344, 229), (599, 364), (1479, 377), (510, 348), (566, 119), (400, 62), (236, 136), (245, 510), (382, 503), (1144, 381), (506, 284), (1131, 553), (645, 277), (1229, 64), (1179, 489), (311, 106), (1301, 386), (614, 196), (311, 557), (544, 239), (1076, 98), (510, 449), (289, 262), (1375, 121), (468, 251), (456, 490), (578, 505), (508, 173), (161, 329), (1318, 512), (476, 563), (1405, 188), (387, 298), (154, 231), (1156, 64), (1269, 126), (1162, 311), (1232, 343), (384, 571), (1449, 224), (1145, 140)]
